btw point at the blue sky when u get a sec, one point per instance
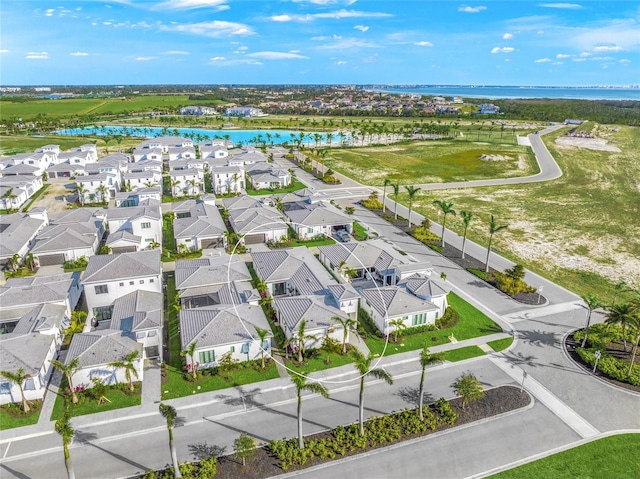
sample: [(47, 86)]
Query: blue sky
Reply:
[(56, 42)]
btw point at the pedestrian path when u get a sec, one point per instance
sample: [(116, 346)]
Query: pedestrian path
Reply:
[(546, 397)]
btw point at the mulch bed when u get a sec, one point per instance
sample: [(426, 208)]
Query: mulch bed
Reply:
[(495, 401), (615, 349)]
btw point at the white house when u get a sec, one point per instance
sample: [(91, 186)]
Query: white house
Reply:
[(165, 142), (18, 233), (139, 197), (142, 222), (111, 276), (210, 150), (186, 182), (94, 186), (260, 224), (16, 190), (266, 176), (147, 154), (181, 153), (318, 219), (198, 225), (227, 179)]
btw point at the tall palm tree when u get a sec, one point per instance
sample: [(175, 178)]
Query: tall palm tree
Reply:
[(169, 413), (396, 192), (592, 303), (129, 366), (18, 378), (622, 315), (301, 384), (69, 370), (493, 229), (175, 183), (191, 184), (363, 364), (466, 219), (262, 335), (426, 360), (80, 191), (412, 191), (447, 208), (191, 352), (386, 183), (346, 324), (102, 189), (301, 337), (66, 431), (398, 328)]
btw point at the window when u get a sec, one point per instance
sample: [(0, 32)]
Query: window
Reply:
[(120, 284), (145, 226), (141, 335), (101, 289), (309, 230), (152, 280), (232, 349), (419, 319), (131, 283), (245, 348), (103, 313), (207, 356), (5, 387), (142, 281), (151, 334)]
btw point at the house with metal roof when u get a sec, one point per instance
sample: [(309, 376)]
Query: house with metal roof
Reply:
[(134, 228), (267, 176), (58, 243), (18, 232), (260, 224), (188, 181), (319, 219), (198, 225), (15, 190)]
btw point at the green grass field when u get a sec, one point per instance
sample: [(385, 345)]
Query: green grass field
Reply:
[(610, 457), (461, 354), (319, 363), (8, 421), (500, 344), (431, 162), (90, 406)]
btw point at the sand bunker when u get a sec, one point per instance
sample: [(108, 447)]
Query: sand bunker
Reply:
[(590, 143)]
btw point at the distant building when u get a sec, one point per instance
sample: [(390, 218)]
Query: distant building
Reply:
[(489, 109), (198, 110), (570, 121), (244, 111)]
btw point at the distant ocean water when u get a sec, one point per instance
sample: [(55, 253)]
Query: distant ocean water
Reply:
[(504, 92)]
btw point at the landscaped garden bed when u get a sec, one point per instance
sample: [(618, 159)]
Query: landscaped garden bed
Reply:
[(12, 415)]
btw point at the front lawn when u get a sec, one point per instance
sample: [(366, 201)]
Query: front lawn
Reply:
[(613, 456), (119, 396), (461, 354), (321, 360), (359, 233), (500, 344), (472, 324), (294, 186), (245, 373), (11, 415), (323, 241)]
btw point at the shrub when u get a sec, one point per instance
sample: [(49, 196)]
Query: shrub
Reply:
[(611, 366), (449, 319)]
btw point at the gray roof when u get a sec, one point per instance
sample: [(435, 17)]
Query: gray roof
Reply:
[(123, 235), (259, 219), (210, 270), (80, 215), (19, 230), (219, 325), (37, 290), (101, 347), (112, 267), (137, 311), (41, 318), (205, 222), (315, 310), (318, 215), (134, 212), (65, 237), (426, 287), (26, 351), (242, 202), (362, 254), (392, 301), (343, 291)]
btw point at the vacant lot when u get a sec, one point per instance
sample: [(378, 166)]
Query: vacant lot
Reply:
[(432, 162), (580, 230)]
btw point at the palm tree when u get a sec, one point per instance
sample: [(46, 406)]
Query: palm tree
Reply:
[(466, 219), (635, 327), (102, 189), (398, 327), (10, 196), (191, 352), (396, 192), (592, 303), (69, 370), (426, 359), (386, 183), (301, 384), (446, 208), (80, 191), (493, 228), (411, 190), (363, 364), (175, 183), (19, 377), (262, 335), (192, 185), (169, 413), (620, 287), (66, 431), (128, 364), (622, 315), (346, 324), (301, 338)]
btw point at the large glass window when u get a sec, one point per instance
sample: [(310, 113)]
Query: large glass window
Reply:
[(419, 319), (101, 289), (207, 356)]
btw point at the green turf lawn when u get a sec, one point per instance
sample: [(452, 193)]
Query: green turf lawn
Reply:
[(359, 233), (176, 386), (430, 162), (323, 241), (8, 421), (294, 186), (173, 324), (500, 344), (461, 354), (318, 363), (472, 323), (86, 405), (610, 457)]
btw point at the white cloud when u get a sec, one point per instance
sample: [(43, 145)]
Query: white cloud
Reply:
[(294, 51), (558, 63), (507, 36), (502, 50), (562, 55), (624, 60), (580, 59), (607, 48), (217, 5), (347, 43), (49, 12), (336, 15), (79, 54), (567, 6), (542, 60), (585, 54), (37, 56), (602, 59), (107, 23), (242, 48), (341, 62), (4, 50), (468, 9), (540, 32), (277, 56), (144, 59), (218, 59), (325, 37), (215, 29), (423, 44), (507, 59), (362, 28), (176, 52)]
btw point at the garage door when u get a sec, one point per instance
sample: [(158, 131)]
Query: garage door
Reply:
[(124, 249), (254, 239), (50, 259), (212, 243)]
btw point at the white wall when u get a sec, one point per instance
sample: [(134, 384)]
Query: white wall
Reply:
[(255, 352), (109, 375), (116, 290)]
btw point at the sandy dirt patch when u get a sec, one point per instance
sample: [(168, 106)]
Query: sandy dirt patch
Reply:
[(495, 158), (589, 143), (54, 197)]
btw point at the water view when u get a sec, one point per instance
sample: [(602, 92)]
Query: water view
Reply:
[(269, 137)]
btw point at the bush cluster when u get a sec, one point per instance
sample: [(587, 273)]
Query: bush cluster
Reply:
[(511, 281), (80, 263), (379, 430), (611, 366), (205, 469), (449, 319)]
